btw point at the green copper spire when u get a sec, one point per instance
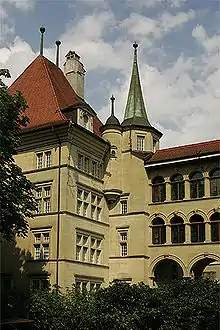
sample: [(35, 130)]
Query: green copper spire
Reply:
[(135, 113)]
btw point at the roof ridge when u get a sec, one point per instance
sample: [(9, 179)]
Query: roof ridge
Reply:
[(190, 145), (51, 83)]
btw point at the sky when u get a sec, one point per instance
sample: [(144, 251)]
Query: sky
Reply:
[(178, 55)]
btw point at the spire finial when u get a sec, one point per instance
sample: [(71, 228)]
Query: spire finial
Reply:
[(42, 30), (112, 98), (135, 45), (58, 43)]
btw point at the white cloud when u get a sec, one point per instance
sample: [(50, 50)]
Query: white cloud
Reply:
[(20, 4), (140, 25), (182, 99), (155, 3), (6, 22)]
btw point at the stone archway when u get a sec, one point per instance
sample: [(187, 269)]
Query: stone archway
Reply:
[(167, 270), (200, 263)]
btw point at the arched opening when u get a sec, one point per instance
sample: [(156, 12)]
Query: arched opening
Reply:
[(177, 187), (177, 230), (167, 270), (198, 268), (196, 185), (158, 189), (215, 227), (197, 228), (158, 231)]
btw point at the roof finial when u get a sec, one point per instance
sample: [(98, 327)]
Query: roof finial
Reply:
[(112, 98), (135, 45), (58, 43), (42, 30)]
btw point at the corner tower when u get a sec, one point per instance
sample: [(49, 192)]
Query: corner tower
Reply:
[(140, 135)]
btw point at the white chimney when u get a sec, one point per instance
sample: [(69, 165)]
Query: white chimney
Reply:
[(74, 72)]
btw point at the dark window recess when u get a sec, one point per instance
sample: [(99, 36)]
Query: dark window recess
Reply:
[(158, 189), (215, 227), (158, 231), (177, 230), (215, 182), (197, 228), (177, 187), (196, 185)]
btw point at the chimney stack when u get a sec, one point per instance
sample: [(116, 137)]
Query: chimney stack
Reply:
[(74, 72)]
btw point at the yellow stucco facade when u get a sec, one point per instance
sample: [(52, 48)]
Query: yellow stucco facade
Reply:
[(102, 216)]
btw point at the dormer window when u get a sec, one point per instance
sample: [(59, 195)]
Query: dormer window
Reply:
[(85, 119)]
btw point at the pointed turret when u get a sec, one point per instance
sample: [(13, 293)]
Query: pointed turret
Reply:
[(112, 120), (135, 112)]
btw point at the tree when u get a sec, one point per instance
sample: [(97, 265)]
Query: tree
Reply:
[(16, 191)]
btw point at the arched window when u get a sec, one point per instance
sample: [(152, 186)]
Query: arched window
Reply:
[(197, 228), (158, 231), (215, 227), (215, 182), (196, 185), (177, 187), (158, 189), (177, 230)]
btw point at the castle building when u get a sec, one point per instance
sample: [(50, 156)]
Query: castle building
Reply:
[(110, 203)]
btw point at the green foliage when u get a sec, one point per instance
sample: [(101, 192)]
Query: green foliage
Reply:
[(16, 196), (181, 305)]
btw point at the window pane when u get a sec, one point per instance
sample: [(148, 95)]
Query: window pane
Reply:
[(155, 235), (215, 231), (194, 233), (181, 190), (48, 159), (215, 186), (201, 188), (174, 191), (201, 232), (174, 234), (193, 189), (163, 234)]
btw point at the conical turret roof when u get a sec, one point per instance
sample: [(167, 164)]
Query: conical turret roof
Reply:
[(135, 112), (112, 120)]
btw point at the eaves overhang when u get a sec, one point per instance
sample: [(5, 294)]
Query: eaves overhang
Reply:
[(183, 160)]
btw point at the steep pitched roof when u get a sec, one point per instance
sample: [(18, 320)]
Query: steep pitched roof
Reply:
[(135, 112), (46, 91), (185, 151)]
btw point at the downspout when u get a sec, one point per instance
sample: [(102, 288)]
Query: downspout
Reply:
[(58, 208)]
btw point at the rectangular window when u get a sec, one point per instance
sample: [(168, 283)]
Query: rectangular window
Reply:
[(140, 142), (39, 206), (45, 251), (124, 249), (89, 204), (39, 283), (86, 164), (48, 159), (37, 252), (80, 161), (88, 248), (124, 206), (41, 245), (46, 205), (40, 160), (94, 168), (43, 199), (123, 243)]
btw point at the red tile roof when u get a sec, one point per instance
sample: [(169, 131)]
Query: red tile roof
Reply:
[(186, 151), (47, 93)]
